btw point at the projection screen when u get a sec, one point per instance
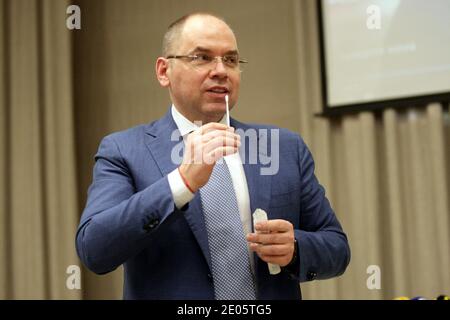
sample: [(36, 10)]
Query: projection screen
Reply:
[(378, 53)]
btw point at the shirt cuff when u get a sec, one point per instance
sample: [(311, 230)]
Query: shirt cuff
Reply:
[(181, 194)]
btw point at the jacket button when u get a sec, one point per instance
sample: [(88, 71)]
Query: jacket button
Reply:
[(311, 275), (151, 224)]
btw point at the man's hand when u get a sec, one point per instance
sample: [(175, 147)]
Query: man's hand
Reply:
[(274, 241), (204, 147)]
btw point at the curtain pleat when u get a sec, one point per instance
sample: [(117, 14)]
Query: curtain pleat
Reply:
[(392, 234), (4, 198), (28, 254)]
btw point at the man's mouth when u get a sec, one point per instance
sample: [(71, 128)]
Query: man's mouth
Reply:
[(218, 90)]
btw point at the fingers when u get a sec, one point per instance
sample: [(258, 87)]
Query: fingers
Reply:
[(209, 131), (219, 147), (213, 126), (279, 260), (275, 225), (221, 142), (204, 147), (211, 142), (272, 250), (271, 238), (280, 254), (276, 231), (210, 135), (218, 153), (273, 241)]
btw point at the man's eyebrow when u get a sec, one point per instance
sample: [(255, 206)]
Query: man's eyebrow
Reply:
[(232, 52), (201, 49), (206, 50)]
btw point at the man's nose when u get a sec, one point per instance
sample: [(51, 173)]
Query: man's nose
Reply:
[(219, 69)]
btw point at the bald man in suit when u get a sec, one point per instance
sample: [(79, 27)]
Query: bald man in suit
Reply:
[(148, 211)]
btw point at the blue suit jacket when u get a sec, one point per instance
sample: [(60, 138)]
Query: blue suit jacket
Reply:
[(131, 219)]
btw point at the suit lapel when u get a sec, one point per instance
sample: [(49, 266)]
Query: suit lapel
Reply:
[(161, 139), (258, 187)]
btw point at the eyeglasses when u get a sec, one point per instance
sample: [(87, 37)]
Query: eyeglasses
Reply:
[(207, 61)]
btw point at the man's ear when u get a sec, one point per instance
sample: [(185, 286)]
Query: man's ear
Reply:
[(162, 67)]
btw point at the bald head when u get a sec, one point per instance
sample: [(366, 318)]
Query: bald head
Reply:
[(198, 20)]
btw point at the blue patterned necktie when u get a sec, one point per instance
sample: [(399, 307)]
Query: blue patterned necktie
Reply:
[(232, 275)]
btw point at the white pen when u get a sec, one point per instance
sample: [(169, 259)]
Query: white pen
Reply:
[(228, 110)]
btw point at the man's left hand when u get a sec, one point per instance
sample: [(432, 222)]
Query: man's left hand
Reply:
[(273, 241)]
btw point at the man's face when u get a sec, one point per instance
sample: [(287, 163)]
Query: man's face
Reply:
[(199, 92)]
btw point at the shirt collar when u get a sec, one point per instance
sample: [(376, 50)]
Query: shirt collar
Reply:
[(185, 125)]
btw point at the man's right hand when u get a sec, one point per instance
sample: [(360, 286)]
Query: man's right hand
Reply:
[(204, 147)]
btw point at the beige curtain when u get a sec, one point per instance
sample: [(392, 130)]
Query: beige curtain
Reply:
[(38, 207), (386, 174)]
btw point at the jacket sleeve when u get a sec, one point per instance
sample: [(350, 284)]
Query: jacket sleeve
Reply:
[(323, 249), (117, 222)]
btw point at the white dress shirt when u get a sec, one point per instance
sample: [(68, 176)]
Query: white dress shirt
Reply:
[(181, 193)]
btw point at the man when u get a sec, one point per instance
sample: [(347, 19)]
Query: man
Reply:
[(184, 230)]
